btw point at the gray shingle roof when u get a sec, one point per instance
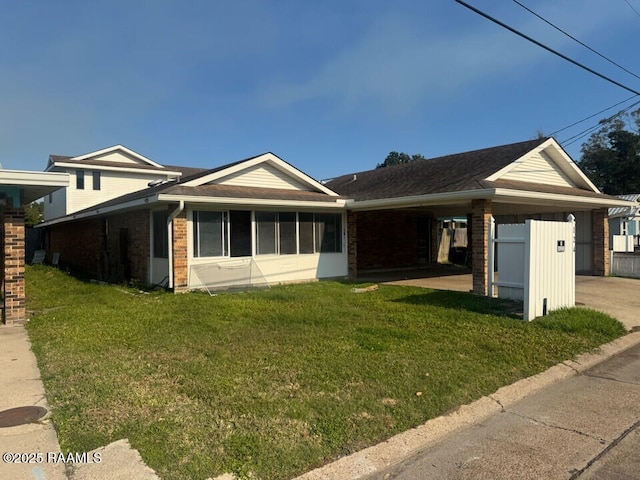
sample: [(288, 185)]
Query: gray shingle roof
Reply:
[(461, 171)]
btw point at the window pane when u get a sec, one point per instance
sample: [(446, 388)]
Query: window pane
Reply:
[(266, 233), (328, 233), (287, 221), (80, 179), (306, 232), (160, 235), (208, 234), (96, 180)]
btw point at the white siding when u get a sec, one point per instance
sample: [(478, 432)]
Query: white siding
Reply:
[(112, 185), (263, 176), (539, 168), (58, 205)]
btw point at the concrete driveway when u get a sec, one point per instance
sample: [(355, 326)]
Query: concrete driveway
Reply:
[(618, 297)]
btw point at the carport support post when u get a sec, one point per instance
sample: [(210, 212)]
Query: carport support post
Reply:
[(600, 240), (481, 214), (14, 291)]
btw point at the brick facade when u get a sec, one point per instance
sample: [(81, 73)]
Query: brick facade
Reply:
[(180, 256), (600, 239), (13, 264), (481, 213), (114, 248)]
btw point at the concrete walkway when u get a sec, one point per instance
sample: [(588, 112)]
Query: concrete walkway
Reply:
[(37, 442)]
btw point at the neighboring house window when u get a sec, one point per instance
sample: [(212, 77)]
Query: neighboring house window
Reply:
[(623, 228), (160, 234), (80, 179), (96, 180), (210, 234)]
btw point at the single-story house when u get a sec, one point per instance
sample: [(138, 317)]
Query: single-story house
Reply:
[(261, 220), (18, 188)]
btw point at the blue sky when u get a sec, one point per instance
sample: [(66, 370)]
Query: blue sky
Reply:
[(331, 87)]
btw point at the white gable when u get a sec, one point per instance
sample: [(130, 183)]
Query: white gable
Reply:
[(262, 175), (118, 154), (547, 164), (538, 168), (265, 171)]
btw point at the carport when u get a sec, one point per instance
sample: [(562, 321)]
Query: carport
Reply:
[(18, 188), (393, 214)]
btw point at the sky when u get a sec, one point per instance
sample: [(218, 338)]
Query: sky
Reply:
[(331, 87)]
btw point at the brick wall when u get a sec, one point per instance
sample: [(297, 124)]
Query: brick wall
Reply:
[(481, 213), (387, 239), (113, 248), (180, 260), (600, 239), (13, 262)]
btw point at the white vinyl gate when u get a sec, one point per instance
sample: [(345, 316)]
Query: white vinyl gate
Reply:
[(536, 264)]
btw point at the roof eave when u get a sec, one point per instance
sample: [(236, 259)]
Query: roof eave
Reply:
[(198, 199), (420, 200)]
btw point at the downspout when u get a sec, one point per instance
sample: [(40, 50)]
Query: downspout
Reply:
[(173, 215)]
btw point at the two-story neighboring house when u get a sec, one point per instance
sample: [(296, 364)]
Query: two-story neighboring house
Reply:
[(103, 175)]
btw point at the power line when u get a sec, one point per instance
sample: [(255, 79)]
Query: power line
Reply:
[(549, 49), (575, 39), (587, 131), (632, 7), (591, 116)]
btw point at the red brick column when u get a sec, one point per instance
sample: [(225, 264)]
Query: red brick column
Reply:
[(179, 252), (481, 213), (14, 292), (352, 243), (600, 240)]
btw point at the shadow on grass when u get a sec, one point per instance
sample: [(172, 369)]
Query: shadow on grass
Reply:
[(466, 301)]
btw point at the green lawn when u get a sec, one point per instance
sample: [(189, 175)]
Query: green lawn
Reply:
[(275, 382)]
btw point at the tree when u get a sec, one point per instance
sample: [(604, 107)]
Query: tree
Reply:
[(395, 158), (33, 213), (611, 156)]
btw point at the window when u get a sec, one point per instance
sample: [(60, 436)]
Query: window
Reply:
[(96, 180), (266, 233), (288, 241), (160, 234), (306, 232), (80, 179), (276, 233), (328, 233), (210, 234)]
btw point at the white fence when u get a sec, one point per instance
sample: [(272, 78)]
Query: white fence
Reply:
[(536, 264), (623, 243)]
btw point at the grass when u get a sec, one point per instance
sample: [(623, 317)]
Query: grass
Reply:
[(276, 382)]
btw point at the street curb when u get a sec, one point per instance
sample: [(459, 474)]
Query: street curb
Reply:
[(397, 448)]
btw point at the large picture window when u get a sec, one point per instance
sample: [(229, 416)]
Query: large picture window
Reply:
[(210, 234)]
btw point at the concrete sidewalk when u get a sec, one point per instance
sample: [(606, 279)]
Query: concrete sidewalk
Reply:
[(21, 387)]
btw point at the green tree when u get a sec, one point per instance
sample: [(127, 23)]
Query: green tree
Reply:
[(33, 213), (398, 158), (611, 156)]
